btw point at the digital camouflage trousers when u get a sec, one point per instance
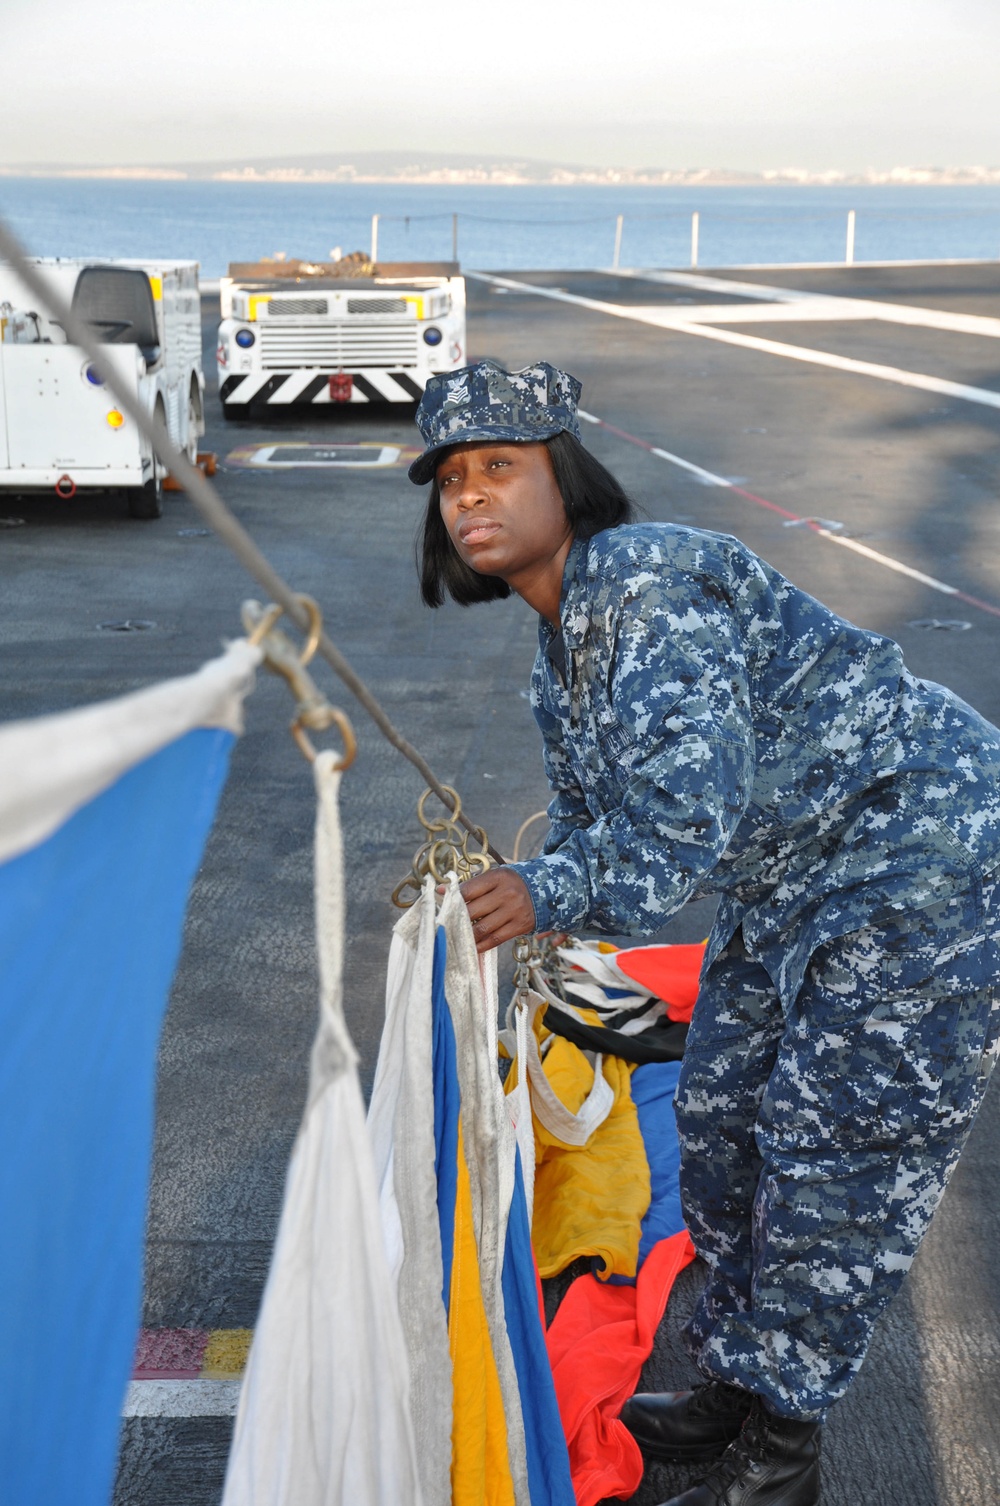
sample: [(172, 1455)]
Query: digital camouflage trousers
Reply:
[(815, 1147)]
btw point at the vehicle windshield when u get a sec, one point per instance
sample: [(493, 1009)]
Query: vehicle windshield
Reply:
[(117, 304)]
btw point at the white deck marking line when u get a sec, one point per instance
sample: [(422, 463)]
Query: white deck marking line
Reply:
[(698, 282), (889, 562), (811, 305), (707, 478), (711, 479), (181, 1398), (809, 311), (981, 395), (816, 310), (984, 396), (839, 265)]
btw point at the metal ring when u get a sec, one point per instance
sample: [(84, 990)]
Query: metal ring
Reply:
[(451, 817), (446, 853), (346, 731), (401, 889), (315, 632)]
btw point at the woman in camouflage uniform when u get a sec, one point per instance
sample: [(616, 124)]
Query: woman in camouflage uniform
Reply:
[(708, 728)]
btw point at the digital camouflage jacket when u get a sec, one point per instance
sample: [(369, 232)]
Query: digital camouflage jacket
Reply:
[(710, 728)]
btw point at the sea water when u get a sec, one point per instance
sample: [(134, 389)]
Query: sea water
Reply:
[(499, 227)]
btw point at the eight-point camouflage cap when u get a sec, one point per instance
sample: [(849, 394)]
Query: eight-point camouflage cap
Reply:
[(486, 402)]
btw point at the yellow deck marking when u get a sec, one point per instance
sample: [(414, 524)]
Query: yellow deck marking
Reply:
[(226, 1353)]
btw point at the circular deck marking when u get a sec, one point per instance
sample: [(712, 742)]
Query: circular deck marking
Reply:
[(314, 455)]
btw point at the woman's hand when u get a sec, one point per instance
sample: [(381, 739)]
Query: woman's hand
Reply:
[(499, 907)]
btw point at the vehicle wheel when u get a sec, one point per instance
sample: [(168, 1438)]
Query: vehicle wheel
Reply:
[(195, 427), (146, 502)]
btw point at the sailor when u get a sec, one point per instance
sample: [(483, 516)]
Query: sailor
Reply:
[(709, 728)]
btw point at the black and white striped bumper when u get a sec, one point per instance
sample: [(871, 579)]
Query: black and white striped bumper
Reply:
[(283, 388)]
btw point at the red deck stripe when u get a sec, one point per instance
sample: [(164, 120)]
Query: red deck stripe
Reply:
[(170, 1353)]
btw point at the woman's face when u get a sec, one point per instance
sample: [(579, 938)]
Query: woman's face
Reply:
[(502, 508)]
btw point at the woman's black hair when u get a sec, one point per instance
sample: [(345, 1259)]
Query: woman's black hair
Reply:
[(593, 499)]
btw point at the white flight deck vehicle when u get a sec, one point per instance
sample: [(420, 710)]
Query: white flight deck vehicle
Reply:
[(59, 425), (309, 333)]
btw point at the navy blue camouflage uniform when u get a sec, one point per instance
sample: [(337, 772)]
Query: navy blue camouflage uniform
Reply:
[(708, 728)]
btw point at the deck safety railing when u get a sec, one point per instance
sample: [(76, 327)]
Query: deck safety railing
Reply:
[(710, 237)]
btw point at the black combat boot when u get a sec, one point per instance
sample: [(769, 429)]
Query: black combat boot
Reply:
[(774, 1462), (687, 1425)]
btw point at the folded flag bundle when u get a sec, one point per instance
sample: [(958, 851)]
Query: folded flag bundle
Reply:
[(606, 1176), (633, 1003), (401, 1357)]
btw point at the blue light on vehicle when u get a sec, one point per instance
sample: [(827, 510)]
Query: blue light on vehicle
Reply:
[(245, 338), (432, 335), (94, 376)]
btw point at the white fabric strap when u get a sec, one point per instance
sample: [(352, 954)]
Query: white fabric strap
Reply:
[(603, 973), (385, 1094), (333, 1050), (519, 1105), (401, 1120), (491, 1001), (323, 1417), (571, 1129)]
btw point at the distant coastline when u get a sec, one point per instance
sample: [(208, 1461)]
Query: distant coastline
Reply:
[(444, 170)]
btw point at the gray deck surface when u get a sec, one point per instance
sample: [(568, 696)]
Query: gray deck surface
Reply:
[(912, 474)]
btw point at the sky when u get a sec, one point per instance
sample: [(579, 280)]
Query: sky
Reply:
[(745, 84)]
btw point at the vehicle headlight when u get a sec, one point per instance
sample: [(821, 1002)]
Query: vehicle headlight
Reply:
[(432, 335), (245, 338), (93, 376)]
